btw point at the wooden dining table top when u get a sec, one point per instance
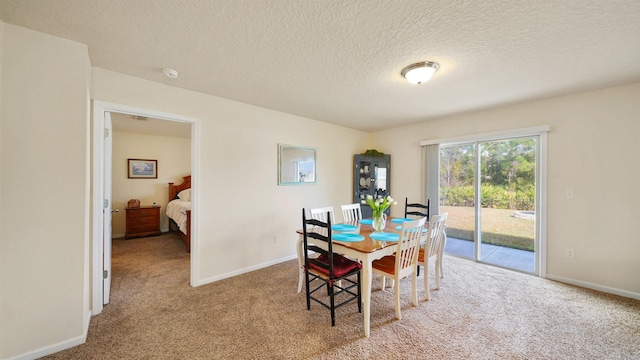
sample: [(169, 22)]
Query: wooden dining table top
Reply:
[(368, 245)]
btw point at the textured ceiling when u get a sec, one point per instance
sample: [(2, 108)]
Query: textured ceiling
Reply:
[(339, 61)]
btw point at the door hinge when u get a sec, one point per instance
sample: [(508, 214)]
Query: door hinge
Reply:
[(105, 203), (106, 133), (105, 274)]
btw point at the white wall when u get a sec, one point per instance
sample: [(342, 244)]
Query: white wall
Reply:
[(174, 162), (241, 205), (591, 150), (44, 185)]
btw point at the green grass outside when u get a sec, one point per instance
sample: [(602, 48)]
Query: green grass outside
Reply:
[(499, 227)]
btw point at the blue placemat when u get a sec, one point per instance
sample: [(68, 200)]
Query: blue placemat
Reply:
[(401, 220), (343, 227), (347, 237), (424, 229), (366, 221), (384, 236)]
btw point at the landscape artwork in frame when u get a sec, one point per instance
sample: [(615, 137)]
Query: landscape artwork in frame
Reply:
[(143, 169)]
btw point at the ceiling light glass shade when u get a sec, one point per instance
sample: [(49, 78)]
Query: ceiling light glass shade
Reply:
[(419, 72)]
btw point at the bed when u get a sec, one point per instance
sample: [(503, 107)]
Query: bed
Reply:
[(179, 210)]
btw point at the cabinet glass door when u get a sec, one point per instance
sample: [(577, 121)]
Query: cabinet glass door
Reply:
[(371, 177)]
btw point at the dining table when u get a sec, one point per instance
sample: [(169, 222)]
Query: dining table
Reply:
[(366, 251)]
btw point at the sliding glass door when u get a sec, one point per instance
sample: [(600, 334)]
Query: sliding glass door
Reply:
[(489, 189), (457, 197)]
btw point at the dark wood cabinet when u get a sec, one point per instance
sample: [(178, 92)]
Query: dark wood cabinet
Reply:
[(142, 221), (371, 176)]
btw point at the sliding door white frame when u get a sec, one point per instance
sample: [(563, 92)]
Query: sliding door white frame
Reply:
[(540, 132)]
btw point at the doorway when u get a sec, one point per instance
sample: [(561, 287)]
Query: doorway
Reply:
[(491, 191), (101, 140)]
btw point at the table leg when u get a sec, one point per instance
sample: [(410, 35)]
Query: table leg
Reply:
[(367, 278), (300, 250)]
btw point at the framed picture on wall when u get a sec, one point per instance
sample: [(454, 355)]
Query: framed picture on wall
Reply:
[(143, 169)]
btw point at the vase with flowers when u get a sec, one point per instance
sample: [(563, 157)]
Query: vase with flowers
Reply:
[(379, 205)]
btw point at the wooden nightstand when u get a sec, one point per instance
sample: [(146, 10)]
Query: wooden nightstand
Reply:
[(142, 221)]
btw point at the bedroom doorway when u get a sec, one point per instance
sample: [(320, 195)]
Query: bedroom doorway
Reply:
[(102, 175)]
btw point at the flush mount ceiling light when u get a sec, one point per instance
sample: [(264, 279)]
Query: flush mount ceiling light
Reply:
[(170, 73), (419, 72)]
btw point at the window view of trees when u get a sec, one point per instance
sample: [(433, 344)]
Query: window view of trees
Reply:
[(508, 175)]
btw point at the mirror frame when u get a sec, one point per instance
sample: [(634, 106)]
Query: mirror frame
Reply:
[(283, 150)]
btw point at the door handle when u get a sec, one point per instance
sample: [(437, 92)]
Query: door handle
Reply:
[(115, 210)]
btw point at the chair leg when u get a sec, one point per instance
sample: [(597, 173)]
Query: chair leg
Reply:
[(414, 288), (438, 274), (359, 293), (426, 281), (383, 282), (306, 276), (441, 255), (418, 271), (333, 306), (396, 293)]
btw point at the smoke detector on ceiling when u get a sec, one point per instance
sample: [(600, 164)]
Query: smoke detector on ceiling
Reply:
[(170, 73)]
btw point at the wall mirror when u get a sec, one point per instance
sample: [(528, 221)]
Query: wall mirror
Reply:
[(296, 165)]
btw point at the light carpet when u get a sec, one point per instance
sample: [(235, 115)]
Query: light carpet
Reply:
[(480, 312)]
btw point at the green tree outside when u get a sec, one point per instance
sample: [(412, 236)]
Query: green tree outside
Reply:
[(507, 171)]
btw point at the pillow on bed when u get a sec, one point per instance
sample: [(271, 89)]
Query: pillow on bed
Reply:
[(185, 195)]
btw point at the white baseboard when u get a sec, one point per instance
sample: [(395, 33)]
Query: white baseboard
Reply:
[(592, 286), (63, 345), (245, 270)]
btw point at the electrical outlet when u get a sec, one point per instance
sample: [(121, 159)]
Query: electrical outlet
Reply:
[(276, 239), (568, 252)]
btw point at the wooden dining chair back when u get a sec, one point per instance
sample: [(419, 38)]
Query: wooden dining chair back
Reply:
[(351, 213), (419, 210), (416, 209), (328, 269), (403, 263), (433, 250), (321, 214)]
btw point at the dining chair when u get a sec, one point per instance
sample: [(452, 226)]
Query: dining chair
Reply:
[(404, 262), (323, 214), (351, 213), (318, 214), (416, 209), (433, 249), (328, 269)]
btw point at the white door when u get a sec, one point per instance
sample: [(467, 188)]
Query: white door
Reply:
[(106, 236)]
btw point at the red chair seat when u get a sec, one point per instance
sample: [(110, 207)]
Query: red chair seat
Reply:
[(341, 265)]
